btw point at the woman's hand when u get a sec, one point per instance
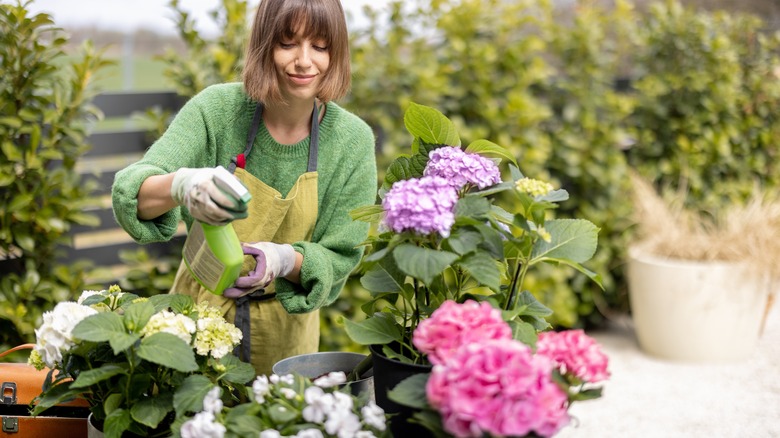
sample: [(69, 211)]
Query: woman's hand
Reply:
[(197, 190), (273, 261)]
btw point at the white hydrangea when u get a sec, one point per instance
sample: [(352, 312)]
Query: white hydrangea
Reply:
[(318, 403), (180, 326), (216, 336), (203, 425), (310, 433), (270, 433), (373, 415), (287, 379), (88, 293), (212, 402), (331, 379), (261, 388), (207, 311), (54, 336)]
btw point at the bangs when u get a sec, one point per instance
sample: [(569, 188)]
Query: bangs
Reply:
[(311, 17)]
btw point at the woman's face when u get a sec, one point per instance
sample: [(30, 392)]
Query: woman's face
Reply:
[(301, 64)]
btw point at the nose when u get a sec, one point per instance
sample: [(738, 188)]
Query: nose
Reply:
[(303, 57)]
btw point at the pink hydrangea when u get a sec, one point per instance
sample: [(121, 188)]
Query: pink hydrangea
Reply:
[(453, 325), (576, 353), (461, 168), (424, 205), (497, 387)]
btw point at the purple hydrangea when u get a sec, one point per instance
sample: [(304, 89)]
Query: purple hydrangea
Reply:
[(461, 168), (424, 205)]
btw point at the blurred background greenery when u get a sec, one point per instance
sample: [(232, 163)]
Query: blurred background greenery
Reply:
[(685, 92)]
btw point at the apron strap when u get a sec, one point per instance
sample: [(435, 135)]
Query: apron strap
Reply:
[(244, 350), (242, 320), (240, 159)]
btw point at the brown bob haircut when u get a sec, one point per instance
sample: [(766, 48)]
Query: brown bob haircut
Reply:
[(276, 20)]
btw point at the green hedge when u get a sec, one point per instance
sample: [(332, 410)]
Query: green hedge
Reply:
[(44, 111)]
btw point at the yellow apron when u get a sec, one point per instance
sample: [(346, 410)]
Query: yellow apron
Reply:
[(275, 333)]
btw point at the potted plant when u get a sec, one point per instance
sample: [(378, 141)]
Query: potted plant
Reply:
[(140, 363), (701, 282), (449, 228), (290, 405), (486, 383)]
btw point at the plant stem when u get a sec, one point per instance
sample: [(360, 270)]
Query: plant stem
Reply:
[(513, 287)]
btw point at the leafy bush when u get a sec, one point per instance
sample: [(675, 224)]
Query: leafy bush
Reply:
[(541, 81), (44, 112)]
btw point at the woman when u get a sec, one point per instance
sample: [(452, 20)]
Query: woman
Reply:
[(306, 161)]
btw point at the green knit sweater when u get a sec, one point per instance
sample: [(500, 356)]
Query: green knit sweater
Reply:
[(212, 128)]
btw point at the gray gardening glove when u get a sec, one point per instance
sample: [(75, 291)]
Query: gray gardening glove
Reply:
[(273, 261), (196, 190)]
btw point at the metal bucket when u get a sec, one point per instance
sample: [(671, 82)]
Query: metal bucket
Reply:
[(314, 365)]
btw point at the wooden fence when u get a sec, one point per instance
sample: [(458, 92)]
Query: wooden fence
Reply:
[(113, 149)]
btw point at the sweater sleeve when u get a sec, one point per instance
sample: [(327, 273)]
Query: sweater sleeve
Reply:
[(184, 144), (335, 248)]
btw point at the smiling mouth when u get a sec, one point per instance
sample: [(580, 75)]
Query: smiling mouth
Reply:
[(301, 79)]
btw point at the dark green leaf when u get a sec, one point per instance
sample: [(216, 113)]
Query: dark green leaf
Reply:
[(151, 410), (189, 397), (168, 350), (483, 268), (411, 391), (90, 377), (430, 125), (383, 277), (117, 423), (422, 263), (379, 328)]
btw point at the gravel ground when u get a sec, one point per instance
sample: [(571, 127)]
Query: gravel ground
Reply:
[(650, 397)]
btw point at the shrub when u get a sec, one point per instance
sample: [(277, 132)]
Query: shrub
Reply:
[(44, 112)]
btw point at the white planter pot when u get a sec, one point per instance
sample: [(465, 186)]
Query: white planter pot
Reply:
[(695, 311)]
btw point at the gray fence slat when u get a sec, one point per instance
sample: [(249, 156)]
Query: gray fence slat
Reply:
[(109, 254), (106, 217), (117, 142), (124, 103)]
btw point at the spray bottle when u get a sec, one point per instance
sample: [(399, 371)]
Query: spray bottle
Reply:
[(213, 253)]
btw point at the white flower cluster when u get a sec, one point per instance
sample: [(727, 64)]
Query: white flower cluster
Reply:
[(204, 424), (333, 413), (181, 326), (216, 336), (54, 336)]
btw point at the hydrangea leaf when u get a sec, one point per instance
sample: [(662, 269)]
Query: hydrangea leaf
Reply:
[(486, 147), (474, 207), (117, 423), (411, 391), (137, 315), (189, 397), (430, 125), (422, 263), (523, 332), (571, 239), (483, 268), (379, 328), (168, 350), (150, 411), (383, 277), (90, 377), (464, 241), (104, 327), (237, 371)]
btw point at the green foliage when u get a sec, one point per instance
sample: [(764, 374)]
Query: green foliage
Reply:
[(44, 112), (208, 62), (701, 110), (486, 254), (123, 358), (543, 85), (707, 94)]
